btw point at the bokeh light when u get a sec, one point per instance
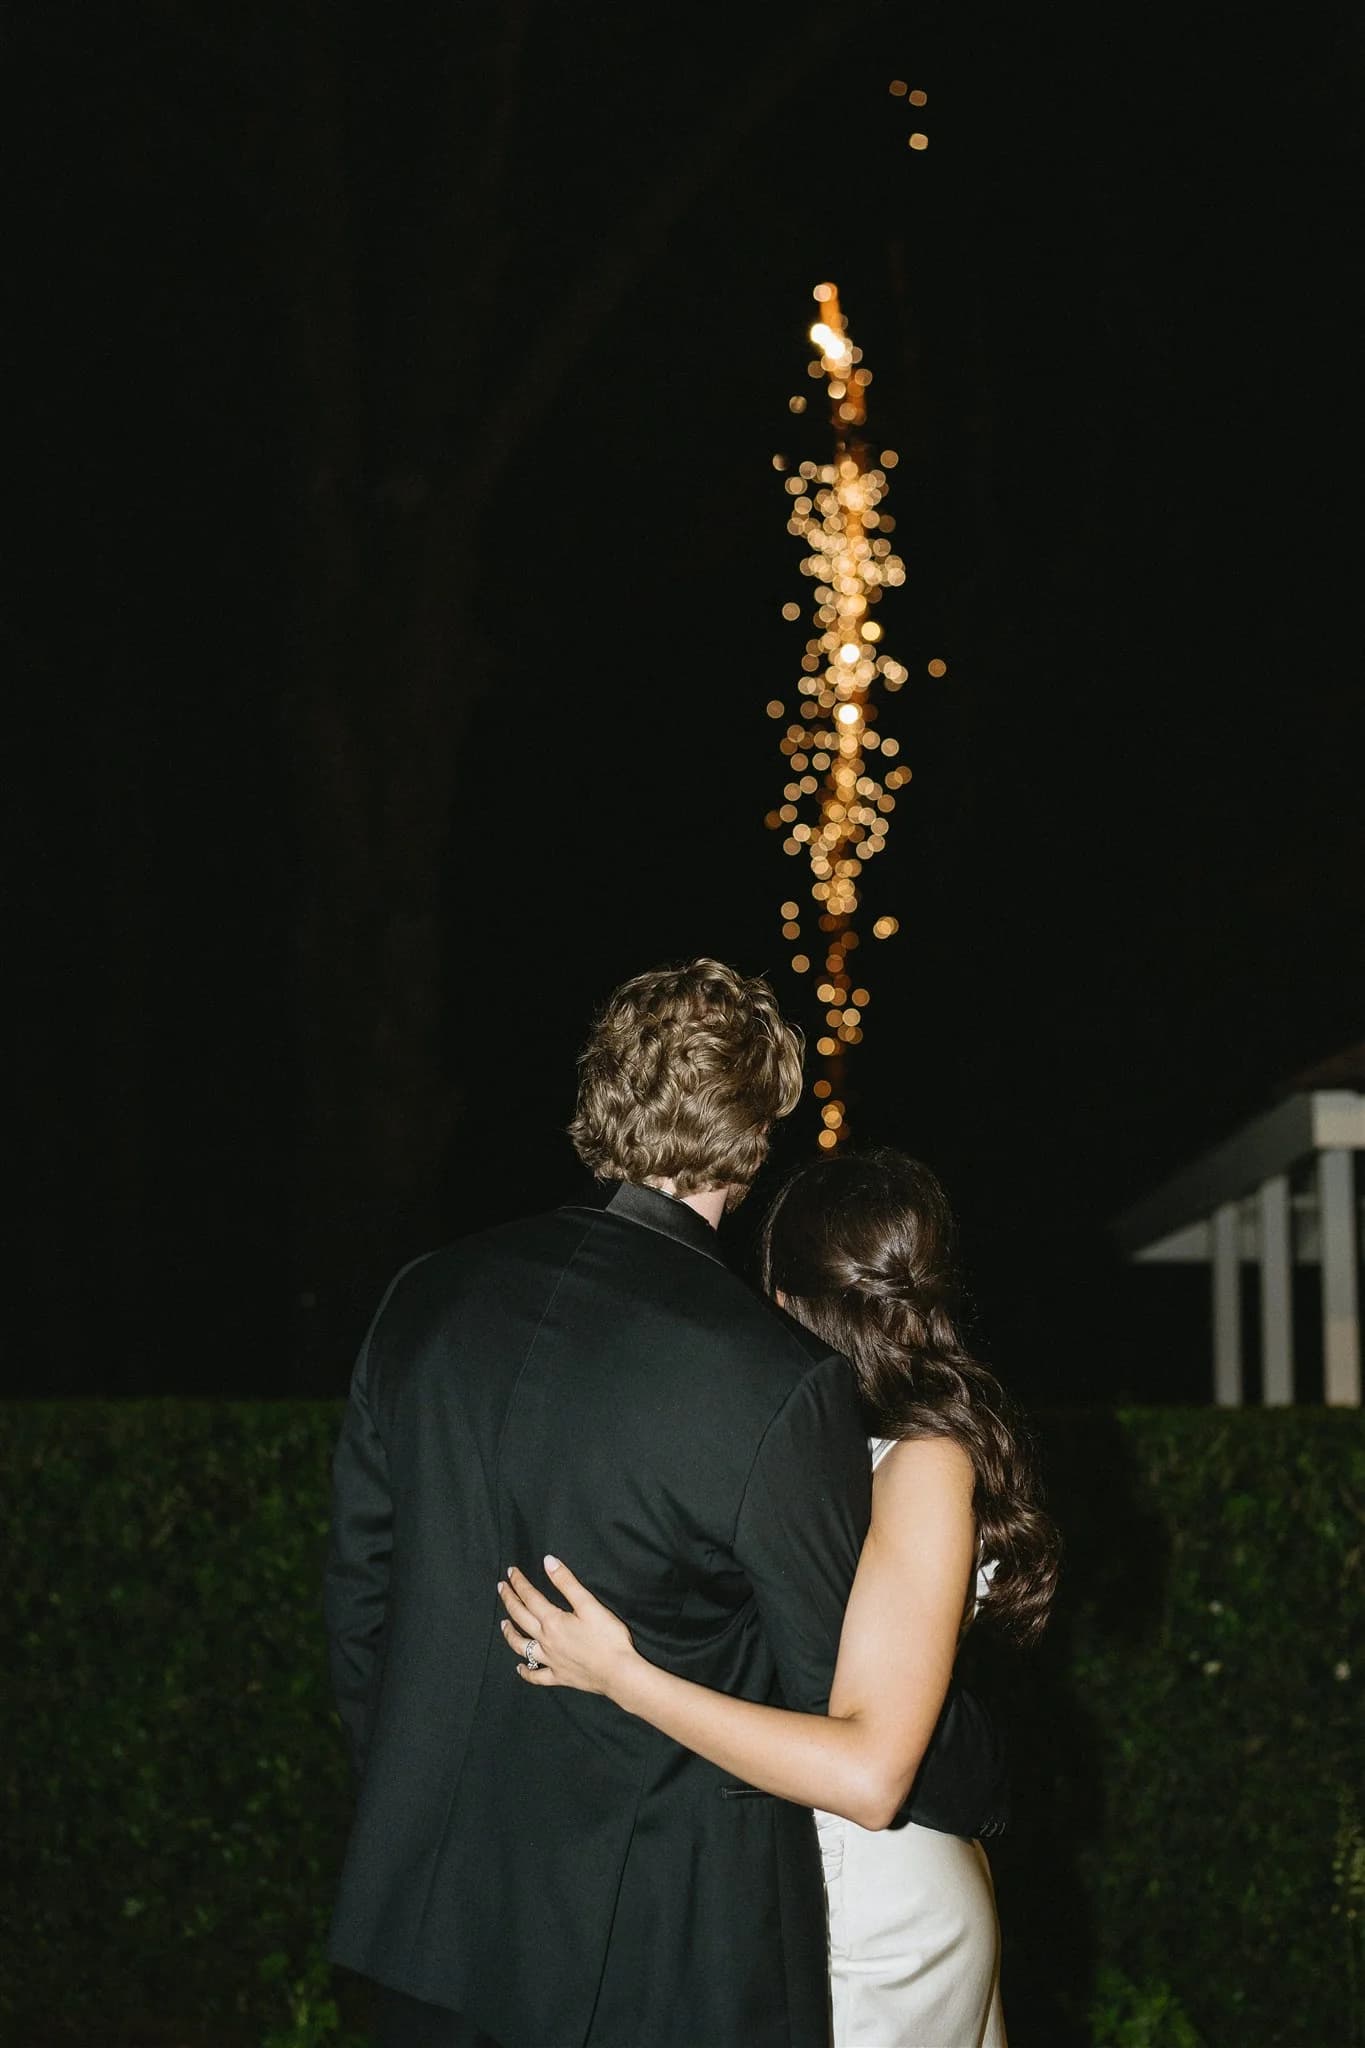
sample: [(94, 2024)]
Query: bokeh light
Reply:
[(835, 811)]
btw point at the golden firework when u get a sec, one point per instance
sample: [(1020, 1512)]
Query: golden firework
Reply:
[(836, 813)]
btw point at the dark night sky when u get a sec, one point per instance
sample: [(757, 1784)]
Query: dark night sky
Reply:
[(1112, 313)]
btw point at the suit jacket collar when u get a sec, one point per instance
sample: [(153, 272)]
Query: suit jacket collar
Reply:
[(653, 1210)]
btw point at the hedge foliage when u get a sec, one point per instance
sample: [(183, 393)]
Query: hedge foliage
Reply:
[(1190, 1781), (1187, 1868), (174, 1788)]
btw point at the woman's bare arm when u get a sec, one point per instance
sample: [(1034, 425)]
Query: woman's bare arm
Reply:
[(896, 1654)]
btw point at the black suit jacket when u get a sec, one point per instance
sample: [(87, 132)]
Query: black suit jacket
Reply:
[(595, 1382)]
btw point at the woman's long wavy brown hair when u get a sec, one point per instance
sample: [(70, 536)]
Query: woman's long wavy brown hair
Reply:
[(861, 1246)]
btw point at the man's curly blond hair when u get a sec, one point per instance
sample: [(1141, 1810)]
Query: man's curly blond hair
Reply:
[(685, 1073)]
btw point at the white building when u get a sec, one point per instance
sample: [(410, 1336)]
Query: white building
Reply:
[(1279, 1192)]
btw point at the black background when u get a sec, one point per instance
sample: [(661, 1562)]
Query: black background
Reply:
[(1111, 313)]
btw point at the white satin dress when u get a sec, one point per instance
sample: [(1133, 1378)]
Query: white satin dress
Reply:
[(914, 1942)]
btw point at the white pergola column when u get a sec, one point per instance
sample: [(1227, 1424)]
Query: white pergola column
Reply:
[(1227, 1307), (1277, 1297), (1340, 1285)]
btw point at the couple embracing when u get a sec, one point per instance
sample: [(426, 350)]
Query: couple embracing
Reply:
[(645, 1658)]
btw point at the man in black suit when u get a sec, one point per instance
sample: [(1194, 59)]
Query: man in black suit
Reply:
[(542, 1871)]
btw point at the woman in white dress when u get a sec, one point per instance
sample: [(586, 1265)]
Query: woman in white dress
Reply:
[(858, 1248)]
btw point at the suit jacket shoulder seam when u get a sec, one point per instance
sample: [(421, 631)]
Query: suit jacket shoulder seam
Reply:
[(361, 1376), (813, 1367)]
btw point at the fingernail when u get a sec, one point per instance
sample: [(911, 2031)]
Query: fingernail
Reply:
[(551, 1563), (502, 1585)]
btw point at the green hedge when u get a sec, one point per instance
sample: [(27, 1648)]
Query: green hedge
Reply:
[(174, 1785), (1188, 1841), (1188, 1861)]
